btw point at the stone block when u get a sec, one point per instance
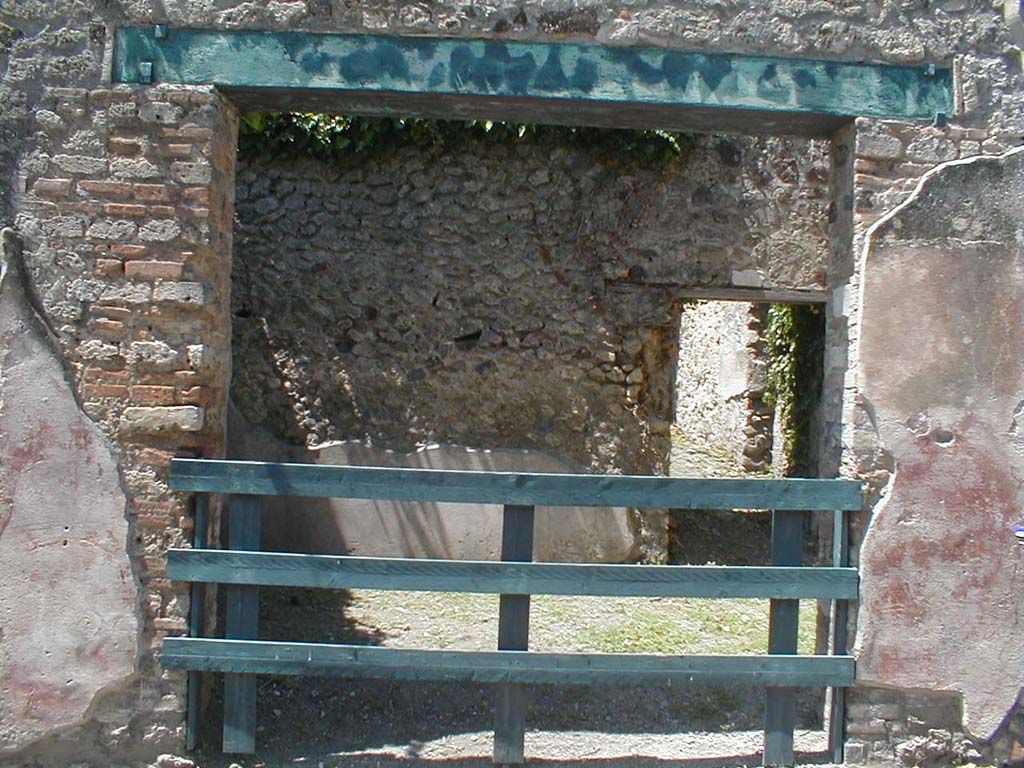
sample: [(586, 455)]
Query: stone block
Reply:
[(159, 230), (134, 168), (192, 173), (162, 419), (160, 112), (856, 753), (94, 349), (80, 163), (932, 149), (879, 146), (116, 229), (152, 270), (747, 278), (52, 187), (158, 354), (180, 293), (130, 293)]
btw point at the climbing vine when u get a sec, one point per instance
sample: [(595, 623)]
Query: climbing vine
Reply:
[(330, 136), (794, 336)]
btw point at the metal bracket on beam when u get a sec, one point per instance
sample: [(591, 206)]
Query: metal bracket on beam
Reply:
[(160, 32)]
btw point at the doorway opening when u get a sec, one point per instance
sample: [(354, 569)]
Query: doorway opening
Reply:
[(509, 298), (746, 403)]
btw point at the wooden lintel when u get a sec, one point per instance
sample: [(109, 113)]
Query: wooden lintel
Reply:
[(531, 81)]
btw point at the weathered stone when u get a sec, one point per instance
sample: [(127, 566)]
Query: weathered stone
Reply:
[(879, 146), (161, 419), (191, 173), (130, 293), (94, 349), (111, 230), (80, 163), (180, 292), (932, 149), (160, 112), (174, 761), (156, 353), (159, 230), (133, 168)]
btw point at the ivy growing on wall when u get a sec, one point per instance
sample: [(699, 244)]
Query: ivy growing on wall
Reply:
[(794, 341), (329, 136)]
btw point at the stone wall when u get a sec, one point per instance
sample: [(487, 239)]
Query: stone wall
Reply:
[(123, 211), (720, 381), (119, 202), (943, 433), (114, 190), (469, 296), (480, 294)]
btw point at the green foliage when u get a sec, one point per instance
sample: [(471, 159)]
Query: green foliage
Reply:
[(793, 338), (330, 136), (780, 340)]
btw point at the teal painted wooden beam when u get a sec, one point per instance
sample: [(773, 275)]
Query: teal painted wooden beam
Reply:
[(284, 658), (345, 572), (262, 478), (562, 81)]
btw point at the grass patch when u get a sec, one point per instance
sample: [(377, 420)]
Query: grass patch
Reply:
[(578, 624)]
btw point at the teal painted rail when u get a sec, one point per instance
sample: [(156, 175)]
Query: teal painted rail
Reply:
[(277, 658), (273, 569), (269, 479), (243, 569)]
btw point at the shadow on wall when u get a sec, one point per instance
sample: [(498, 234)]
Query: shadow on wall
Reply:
[(412, 529)]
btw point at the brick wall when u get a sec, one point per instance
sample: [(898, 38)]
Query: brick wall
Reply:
[(124, 209)]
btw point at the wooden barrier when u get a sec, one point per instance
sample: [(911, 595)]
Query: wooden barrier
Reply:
[(241, 656)]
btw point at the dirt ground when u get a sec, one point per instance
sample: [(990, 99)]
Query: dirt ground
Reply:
[(331, 723)]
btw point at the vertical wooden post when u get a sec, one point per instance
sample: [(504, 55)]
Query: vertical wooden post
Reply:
[(840, 617), (513, 635), (783, 626), (241, 623), (195, 624)]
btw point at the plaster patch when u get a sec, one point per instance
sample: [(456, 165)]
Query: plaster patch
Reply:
[(942, 365), (68, 623)]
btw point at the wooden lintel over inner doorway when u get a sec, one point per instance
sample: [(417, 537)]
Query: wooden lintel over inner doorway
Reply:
[(560, 83)]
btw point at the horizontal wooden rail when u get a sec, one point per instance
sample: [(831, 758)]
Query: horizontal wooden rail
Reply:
[(276, 479), (334, 572), (278, 658)]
